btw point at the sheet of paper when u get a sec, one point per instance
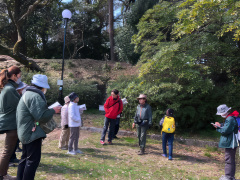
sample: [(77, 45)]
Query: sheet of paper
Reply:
[(82, 107), (54, 105), (101, 108)]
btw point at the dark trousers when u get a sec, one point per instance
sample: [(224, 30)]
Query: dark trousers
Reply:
[(117, 126), (112, 123), (142, 135), (14, 156), (30, 160), (230, 164), (167, 137)]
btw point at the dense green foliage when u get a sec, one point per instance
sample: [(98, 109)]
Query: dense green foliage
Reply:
[(124, 48), (90, 92), (189, 62), (43, 31)]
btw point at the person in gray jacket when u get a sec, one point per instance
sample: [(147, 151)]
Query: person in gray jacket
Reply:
[(9, 98), (143, 119), (32, 110)]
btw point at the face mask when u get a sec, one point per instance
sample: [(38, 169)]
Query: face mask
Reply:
[(23, 91), (18, 81), (44, 91)]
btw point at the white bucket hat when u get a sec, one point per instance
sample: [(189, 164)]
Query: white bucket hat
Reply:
[(222, 109), (40, 80)]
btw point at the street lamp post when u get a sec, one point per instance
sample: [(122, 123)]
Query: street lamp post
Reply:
[(66, 14)]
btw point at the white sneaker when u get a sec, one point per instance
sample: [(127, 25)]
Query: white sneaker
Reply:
[(78, 151), (8, 177), (71, 152), (224, 178)]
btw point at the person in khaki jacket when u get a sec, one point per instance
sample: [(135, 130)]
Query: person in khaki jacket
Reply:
[(64, 137), (143, 119)]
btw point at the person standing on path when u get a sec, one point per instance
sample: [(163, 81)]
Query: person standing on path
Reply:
[(64, 137), (32, 110), (143, 119), (9, 98), (168, 129), (13, 158), (113, 107), (228, 140), (124, 102), (74, 122)]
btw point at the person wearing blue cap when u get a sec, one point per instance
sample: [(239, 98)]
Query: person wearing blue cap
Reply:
[(74, 122)]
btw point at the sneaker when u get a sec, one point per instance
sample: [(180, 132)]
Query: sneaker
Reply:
[(71, 152), (224, 178), (12, 165), (78, 151), (8, 177), (164, 155), (110, 143), (102, 142), (14, 161), (63, 148), (18, 150), (115, 137), (170, 158)]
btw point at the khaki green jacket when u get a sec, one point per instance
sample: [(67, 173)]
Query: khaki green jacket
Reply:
[(9, 99), (32, 107), (230, 127), (146, 114)]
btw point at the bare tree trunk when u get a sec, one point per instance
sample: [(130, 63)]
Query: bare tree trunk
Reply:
[(111, 30)]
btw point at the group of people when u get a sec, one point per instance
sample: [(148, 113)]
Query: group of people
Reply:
[(143, 120), (23, 109), (20, 115)]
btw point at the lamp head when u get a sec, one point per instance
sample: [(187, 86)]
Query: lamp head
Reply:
[(66, 14)]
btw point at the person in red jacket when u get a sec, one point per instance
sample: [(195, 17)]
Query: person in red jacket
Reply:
[(113, 107)]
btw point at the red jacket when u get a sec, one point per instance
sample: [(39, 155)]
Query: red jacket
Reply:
[(113, 107)]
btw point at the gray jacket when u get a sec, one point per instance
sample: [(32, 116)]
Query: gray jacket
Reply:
[(146, 114)]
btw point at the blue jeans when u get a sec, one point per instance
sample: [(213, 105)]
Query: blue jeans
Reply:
[(112, 123), (167, 137)]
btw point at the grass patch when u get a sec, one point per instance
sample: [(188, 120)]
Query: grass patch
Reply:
[(71, 75), (211, 149), (70, 64), (207, 154), (93, 111), (120, 161), (56, 66)]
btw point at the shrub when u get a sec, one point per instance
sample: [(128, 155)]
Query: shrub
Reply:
[(70, 64), (118, 66), (90, 92), (71, 75), (56, 66)]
